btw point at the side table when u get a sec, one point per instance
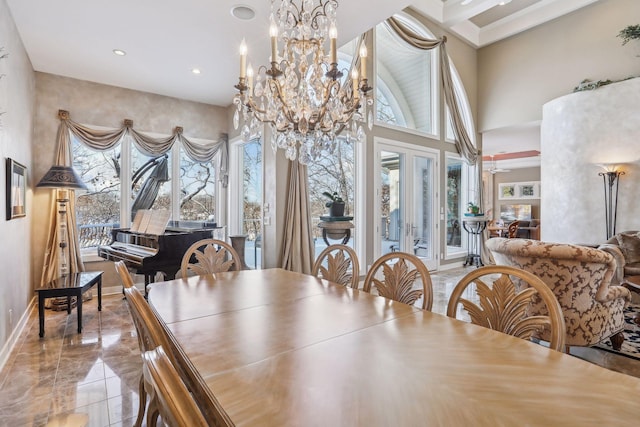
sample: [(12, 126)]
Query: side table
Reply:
[(70, 285), (474, 226), (336, 229)]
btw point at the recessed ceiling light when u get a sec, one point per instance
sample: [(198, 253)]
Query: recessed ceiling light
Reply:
[(243, 12), (196, 71), (465, 2), (503, 2), (119, 52)]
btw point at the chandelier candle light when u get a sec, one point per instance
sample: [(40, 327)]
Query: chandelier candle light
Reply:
[(301, 96)]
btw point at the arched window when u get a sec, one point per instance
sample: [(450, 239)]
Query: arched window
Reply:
[(406, 92)]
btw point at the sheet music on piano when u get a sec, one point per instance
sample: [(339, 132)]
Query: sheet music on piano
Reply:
[(149, 221)]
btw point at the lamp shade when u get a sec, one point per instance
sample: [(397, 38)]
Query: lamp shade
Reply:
[(61, 177)]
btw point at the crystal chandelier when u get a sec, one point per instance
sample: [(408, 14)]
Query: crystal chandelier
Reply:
[(301, 95)]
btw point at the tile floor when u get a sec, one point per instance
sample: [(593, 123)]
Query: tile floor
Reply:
[(71, 379)]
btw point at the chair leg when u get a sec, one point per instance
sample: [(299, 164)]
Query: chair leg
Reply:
[(142, 394), (617, 340)]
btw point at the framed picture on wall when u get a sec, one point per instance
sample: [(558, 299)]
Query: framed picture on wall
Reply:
[(16, 189), (506, 191), (528, 190), (519, 190)]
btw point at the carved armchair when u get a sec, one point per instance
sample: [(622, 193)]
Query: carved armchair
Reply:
[(580, 278)]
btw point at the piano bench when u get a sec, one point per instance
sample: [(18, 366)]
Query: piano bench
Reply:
[(70, 285)]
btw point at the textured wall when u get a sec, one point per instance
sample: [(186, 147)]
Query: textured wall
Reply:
[(578, 132), (516, 76), (17, 97), (102, 105)]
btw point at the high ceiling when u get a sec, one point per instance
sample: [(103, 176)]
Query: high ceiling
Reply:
[(165, 39)]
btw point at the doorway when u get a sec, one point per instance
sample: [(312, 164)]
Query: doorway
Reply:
[(407, 195)]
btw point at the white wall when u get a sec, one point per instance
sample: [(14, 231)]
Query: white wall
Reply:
[(17, 98), (578, 132), (519, 74)]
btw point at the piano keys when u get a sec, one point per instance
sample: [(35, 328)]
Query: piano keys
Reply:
[(149, 254)]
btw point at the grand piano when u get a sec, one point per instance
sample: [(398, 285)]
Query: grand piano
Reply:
[(149, 254)]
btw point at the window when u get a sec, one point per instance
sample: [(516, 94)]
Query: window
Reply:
[(97, 209), (405, 94), (334, 172), (150, 188), (251, 210), (463, 105), (197, 189), (116, 190), (457, 175)]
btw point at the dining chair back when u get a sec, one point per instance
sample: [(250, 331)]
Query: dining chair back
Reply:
[(125, 276), (209, 256), (341, 266), (399, 279), (150, 334), (170, 397), (500, 307), (513, 229)]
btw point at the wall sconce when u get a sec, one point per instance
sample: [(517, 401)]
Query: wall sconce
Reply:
[(610, 179)]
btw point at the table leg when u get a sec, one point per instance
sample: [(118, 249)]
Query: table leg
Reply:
[(324, 236), (79, 298), (100, 294), (68, 304), (41, 313)]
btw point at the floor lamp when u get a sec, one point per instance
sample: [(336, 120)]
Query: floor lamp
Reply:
[(610, 180), (62, 178)]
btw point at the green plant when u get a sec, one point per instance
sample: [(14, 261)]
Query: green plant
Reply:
[(334, 197), (632, 32), (473, 208)]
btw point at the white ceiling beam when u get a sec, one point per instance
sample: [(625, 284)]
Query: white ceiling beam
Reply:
[(468, 31), (433, 9), (455, 12), (536, 14)]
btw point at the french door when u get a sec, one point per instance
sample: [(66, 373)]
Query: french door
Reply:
[(407, 194), (246, 198)]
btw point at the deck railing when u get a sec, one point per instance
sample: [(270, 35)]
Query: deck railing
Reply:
[(92, 235)]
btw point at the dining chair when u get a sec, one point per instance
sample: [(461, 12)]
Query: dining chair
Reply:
[(169, 396), (151, 334), (125, 276), (503, 309), (209, 256), (399, 279), (512, 230), (341, 266)]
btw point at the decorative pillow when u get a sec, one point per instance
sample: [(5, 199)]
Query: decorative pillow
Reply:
[(630, 246)]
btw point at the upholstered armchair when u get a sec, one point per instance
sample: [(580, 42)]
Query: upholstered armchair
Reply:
[(580, 278), (625, 249)]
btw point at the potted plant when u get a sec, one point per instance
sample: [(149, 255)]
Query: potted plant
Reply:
[(631, 32), (473, 208), (335, 204)]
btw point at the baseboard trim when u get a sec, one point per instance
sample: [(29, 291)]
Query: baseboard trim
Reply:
[(15, 334)]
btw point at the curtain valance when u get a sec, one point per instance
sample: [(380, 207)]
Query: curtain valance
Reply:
[(104, 139)]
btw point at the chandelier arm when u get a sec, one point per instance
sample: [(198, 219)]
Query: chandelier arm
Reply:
[(251, 106), (323, 106), (273, 83), (296, 21), (321, 10)]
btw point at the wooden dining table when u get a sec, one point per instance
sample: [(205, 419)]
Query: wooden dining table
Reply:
[(277, 348)]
